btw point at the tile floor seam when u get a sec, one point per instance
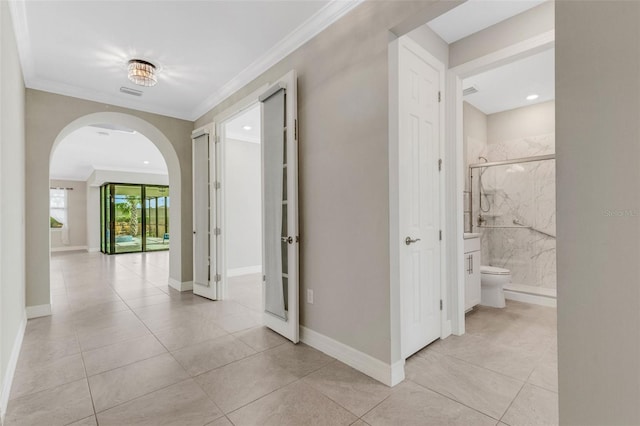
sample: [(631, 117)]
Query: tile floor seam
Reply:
[(376, 406), (487, 368), (86, 376), (455, 400), (260, 397), (124, 365), (511, 403)]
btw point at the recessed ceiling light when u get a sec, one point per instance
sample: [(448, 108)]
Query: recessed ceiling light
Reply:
[(145, 162), (532, 97), (247, 127)]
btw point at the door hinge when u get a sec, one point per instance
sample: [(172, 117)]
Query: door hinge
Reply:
[(217, 278), (440, 304), (295, 129), (216, 231), (439, 96), (439, 164), (216, 185), (440, 235), (264, 278)]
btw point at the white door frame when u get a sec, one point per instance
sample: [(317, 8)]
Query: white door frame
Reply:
[(220, 146), (395, 237), (455, 173)]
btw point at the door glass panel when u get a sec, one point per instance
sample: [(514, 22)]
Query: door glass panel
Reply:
[(107, 218), (157, 237), (128, 218)]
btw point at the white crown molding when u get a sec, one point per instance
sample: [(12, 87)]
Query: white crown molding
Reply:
[(18, 11), (330, 13), (326, 16), (38, 83)]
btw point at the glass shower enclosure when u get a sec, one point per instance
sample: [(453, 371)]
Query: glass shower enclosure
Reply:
[(134, 218), (513, 206)]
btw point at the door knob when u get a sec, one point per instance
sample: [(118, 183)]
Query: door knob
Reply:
[(408, 240), (287, 240)]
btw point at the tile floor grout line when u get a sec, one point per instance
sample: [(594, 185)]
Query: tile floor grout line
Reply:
[(454, 400), (511, 403)]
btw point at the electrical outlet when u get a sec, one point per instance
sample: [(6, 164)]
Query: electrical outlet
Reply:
[(310, 296)]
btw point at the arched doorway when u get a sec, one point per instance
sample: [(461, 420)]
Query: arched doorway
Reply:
[(38, 289)]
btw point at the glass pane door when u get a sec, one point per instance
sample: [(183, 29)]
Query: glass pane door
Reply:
[(128, 218), (156, 205)]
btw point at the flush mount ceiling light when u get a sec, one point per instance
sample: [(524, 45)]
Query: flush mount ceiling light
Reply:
[(142, 73), (532, 97), (145, 162), (247, 127)]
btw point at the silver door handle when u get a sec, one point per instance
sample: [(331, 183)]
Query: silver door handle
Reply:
[(408, 240), (287, 240)]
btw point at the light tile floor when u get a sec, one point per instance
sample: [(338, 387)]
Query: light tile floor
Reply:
[(124, 349)]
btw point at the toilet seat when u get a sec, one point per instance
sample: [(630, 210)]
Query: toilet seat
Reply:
[(493, 270)]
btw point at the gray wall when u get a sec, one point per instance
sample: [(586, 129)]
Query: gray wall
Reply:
[(598, 155), (516, 29), (518, 123), (243, 193), (12, 191), (47, 115), (76, 213), (343, 179)]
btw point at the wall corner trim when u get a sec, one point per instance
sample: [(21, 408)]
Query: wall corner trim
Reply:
[(11, 370), (180, 286), (38, 311), (389, 375)]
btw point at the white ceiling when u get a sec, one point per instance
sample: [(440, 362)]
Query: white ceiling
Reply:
[(476, 15), (90, 148), (508, 86), (206, 50), (245, 126)]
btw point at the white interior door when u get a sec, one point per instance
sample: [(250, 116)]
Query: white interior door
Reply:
[(280, 207), (419, 195), (205, 275)]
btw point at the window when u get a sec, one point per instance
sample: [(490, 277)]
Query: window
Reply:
[(58, 208)]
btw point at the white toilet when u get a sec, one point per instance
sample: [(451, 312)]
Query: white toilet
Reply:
[(492, 282)]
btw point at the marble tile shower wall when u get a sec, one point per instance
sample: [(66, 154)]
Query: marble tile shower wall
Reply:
[(526, 193)]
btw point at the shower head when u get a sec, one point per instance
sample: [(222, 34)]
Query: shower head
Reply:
[(483, 158)]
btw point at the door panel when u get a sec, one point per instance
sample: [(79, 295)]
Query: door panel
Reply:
[(280, 207), (419, 196), (204, 273)]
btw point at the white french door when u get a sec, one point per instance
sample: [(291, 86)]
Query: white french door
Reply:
[(205, 230), (420, 111), (280, 207)]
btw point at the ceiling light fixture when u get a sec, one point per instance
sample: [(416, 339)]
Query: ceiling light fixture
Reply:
[(142, 73), (145, 162), (247, 127), (532, 97)]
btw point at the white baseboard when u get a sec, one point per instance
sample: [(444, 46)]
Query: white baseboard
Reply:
[(69, 248), (530, 298), (38, 311), (246, 270), (180, 286), (94, 249), (390, 375), (11, 370)]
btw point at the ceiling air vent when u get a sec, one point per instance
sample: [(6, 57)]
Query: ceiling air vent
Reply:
[(470, 91), (129, 91)]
